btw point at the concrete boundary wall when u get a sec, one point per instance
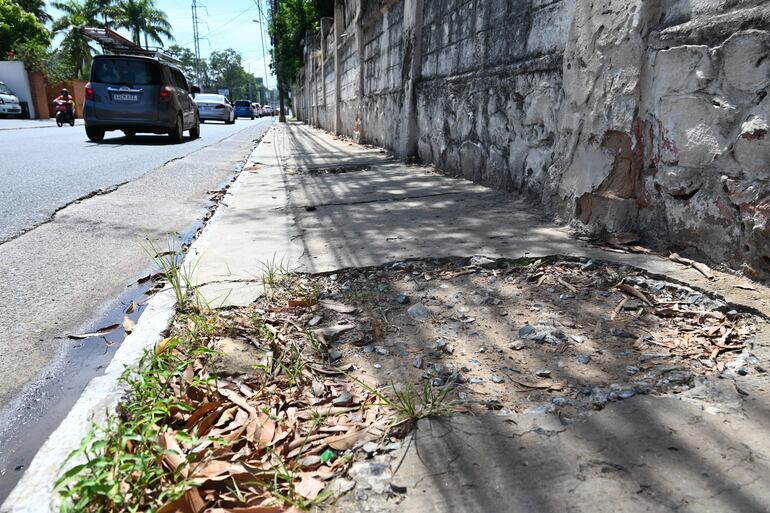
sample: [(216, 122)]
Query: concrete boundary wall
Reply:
[(644, 116)]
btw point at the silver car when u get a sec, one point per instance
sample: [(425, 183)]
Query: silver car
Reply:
[(214, 107)]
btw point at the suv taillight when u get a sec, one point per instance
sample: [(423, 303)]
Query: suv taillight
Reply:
[(89, 91), (165, 94)]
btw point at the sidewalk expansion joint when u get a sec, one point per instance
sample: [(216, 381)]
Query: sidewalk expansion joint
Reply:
[(379, 200)]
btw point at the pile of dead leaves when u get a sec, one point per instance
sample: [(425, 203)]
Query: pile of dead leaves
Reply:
[(263, 441)]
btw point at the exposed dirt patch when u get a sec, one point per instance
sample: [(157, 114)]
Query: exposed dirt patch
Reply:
[(565, 336)]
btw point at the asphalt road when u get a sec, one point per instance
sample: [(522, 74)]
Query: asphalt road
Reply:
[(73, 219)]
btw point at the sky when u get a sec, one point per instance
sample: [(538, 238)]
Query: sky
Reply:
[(222, 24)]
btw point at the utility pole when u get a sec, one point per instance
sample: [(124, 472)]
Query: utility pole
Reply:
[(196, 37), (278, 71)]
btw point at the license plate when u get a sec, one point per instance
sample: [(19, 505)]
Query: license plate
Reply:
[(122, 97)]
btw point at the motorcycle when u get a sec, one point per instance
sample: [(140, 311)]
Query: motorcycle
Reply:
[(64, 113)]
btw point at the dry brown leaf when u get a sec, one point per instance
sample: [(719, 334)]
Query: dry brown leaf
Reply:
[(628, 289), (337, 306), (308, 487), (173, 455), (190, 502), (543, 385), (97, 333), (330, 333), (349, 440), (201, 412), (238, 400), (128, 325)]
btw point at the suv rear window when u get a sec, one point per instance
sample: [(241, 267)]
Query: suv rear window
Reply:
[(131, 72), (243, 103)]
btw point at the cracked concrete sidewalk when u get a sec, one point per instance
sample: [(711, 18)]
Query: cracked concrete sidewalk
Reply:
[(316, 203)]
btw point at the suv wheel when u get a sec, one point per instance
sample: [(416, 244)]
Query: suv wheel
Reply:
[(195, 131), (177, 134), (95, 134)]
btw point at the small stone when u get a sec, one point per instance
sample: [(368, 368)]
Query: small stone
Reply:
[(482, 350), (475, 381), (631, 370), (517, 345), (344, 399), (437, 382), (395, 488), (599, 397), (543, 373), (334, 355), (462, 396), (496, 379), (417, 363), (370, 447), (732, 313), (482, 261), (418, 312), (380, 350), (578, 338), (584, 359), (543, 408), (621, 333), (315, 320), (382, 287), (566, 296), (341, 486), (551, 290), (403, 299), (367, 349), (392, 446), (475, 361), (626, 392), (559, 401), (525, 330), (310, 461), (377, 366)]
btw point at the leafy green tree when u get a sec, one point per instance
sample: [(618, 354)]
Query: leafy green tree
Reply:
[(18, 26), (226, 69), (75, 45), (289, 22), (142, 17), (37, 9), (187, 58)]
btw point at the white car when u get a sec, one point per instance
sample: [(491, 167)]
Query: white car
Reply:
[(214, 107), (9, 102)]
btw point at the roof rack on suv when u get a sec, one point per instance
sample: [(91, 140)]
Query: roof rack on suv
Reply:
[(114, 43)]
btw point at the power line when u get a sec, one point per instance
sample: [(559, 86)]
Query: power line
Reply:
[(196, 38), (263, 23)]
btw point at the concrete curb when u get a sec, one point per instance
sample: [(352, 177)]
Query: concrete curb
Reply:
[(35, 492)]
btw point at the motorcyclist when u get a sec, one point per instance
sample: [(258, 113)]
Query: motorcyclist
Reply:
[(65, 97)]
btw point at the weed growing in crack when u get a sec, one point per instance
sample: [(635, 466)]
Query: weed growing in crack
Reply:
[(178, 275), (412, 403), (277, 280)]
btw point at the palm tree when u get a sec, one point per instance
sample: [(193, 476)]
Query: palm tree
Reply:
[(142, 17), (106, 8), (36, 8), (76, 15)]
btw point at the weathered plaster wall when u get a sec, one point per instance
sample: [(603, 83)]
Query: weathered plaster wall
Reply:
[(648, 116)]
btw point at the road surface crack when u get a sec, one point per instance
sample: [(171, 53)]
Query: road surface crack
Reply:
[(98, 192)]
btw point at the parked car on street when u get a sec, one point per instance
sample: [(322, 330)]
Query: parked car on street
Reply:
[(9, 102), (215, 107), (256, 109), (137, 94), (243, 109)]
